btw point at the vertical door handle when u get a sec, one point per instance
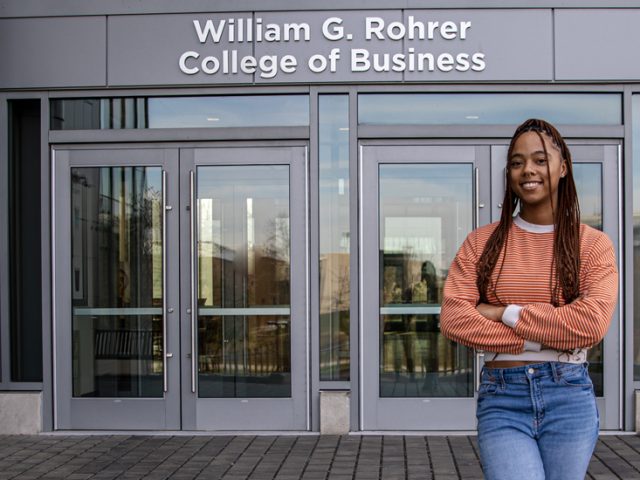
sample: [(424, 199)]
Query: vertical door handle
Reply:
[(165, 355), (194, 305), (476, 211), (478, 372)]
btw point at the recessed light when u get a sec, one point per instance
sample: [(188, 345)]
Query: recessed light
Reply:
[(213, 119), (472, 117), (344, 129)]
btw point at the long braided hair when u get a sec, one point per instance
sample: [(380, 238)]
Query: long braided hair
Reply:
[(566, 218)]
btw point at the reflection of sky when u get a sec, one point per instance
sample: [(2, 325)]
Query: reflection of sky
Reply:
[(635, 122), (429, 191), (229, 111), (489, 109), (333, 115), (588, 178), (230, 187)]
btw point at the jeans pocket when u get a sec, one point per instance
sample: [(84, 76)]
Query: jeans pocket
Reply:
[(487, 388), (575, 376)]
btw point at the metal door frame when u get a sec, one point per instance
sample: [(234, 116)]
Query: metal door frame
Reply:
[(249, 414), (608, 154), (111, 412), (434, 413)]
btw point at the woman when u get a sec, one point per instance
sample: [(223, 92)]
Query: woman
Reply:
[(534, 291)]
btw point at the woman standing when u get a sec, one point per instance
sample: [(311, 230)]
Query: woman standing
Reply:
[(535, 291)]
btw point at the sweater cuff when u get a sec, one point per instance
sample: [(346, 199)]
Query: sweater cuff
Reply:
[(530, 346), (511, 315)]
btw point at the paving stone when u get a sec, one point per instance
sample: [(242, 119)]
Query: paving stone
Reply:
[(352, 457)]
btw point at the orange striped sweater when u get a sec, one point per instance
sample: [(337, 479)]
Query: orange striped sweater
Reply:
[(524, 281)]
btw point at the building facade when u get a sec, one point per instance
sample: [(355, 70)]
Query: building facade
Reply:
[(218, 216)]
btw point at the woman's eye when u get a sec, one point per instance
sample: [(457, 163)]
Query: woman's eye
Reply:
[(541, 161)]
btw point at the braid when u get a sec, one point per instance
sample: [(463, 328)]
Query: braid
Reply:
[(564, 275)]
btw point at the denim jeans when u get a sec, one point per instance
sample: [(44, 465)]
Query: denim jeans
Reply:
[(537, 422)]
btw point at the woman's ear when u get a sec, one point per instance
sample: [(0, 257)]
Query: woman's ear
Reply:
[(563, 169)]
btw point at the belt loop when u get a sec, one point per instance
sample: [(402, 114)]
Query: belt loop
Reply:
[(502, 382), (556, 374)]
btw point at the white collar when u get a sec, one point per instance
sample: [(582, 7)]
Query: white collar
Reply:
[(532, 227)]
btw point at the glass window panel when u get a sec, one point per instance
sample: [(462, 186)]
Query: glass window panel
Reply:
[(488, 108), (24, 236), (180, 112), (334, 237), (116, 276), (426, 211), (244, 281), (229, 111), (588, 178)]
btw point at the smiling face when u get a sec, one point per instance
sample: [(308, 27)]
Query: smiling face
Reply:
[(533, 176)]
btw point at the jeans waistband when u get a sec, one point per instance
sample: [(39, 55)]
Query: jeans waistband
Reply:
[(532, 371)]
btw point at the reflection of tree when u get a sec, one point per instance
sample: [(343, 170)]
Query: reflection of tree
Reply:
[(120, 230), (272, 263), (334, 316), (278, 241)]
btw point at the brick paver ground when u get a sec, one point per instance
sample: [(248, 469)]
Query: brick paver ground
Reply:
[(306, 457)]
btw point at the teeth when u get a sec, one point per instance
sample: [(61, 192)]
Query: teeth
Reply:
[(530, 184)]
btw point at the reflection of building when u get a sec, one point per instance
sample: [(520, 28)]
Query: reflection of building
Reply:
[(329, 203)]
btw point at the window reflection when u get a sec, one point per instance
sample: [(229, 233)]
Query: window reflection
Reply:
[(488, 108), (588, 178), (244, 281), (229, 111), (425, 214), (179, 112), (116, 278), (334, 237)]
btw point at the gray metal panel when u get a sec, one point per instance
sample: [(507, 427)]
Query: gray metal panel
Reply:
[(516, 44), (613, 341), (597, 44), (144, 50), (354, 249), (178, 134), (47, 285), (314, 265), (353, 24), (30, 8), (52, 52), (486, 131), (626, 277)]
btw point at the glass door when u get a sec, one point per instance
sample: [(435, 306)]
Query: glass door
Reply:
[(418, 203), (245, 257), (596, 173), (115, 289)]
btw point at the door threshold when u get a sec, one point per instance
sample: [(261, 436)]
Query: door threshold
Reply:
[(420, 433), (177, 433)]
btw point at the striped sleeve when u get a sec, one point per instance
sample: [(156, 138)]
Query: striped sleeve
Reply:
[(460, 321), (584, 322)]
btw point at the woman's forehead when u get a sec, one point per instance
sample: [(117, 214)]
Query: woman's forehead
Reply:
[(530, 142)]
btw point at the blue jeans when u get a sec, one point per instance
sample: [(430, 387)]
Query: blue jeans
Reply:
[(537, 422)]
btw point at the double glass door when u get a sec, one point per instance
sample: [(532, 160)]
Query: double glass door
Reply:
[(180, 288), (418, 204)]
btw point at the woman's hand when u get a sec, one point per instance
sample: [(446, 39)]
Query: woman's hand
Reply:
[(492, 312)]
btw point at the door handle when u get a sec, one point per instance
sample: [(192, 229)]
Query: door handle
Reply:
[(194, 306), (479, 356), (476, 211), (164, 281)]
